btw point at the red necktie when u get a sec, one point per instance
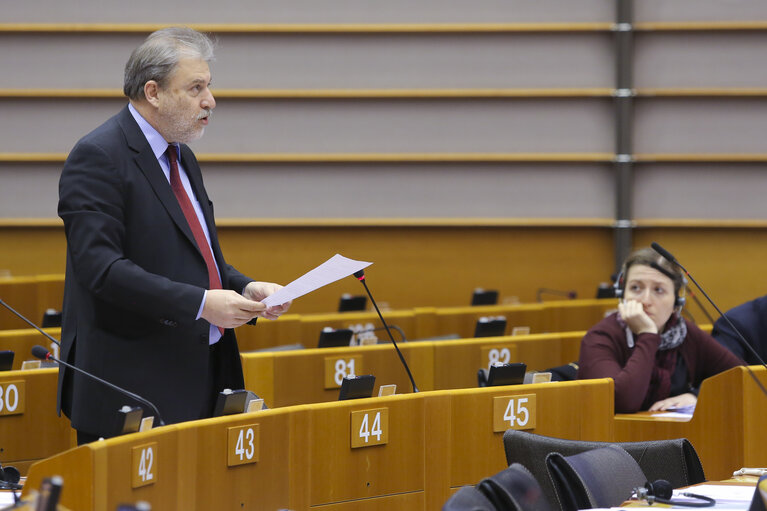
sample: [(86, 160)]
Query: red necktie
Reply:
[(214, 280)]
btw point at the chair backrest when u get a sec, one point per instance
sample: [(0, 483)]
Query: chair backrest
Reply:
[(468, 498), (512, 489), (759, 502), (673, 460), (604, 477)]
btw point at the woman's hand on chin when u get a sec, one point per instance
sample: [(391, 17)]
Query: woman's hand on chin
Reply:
[(632, 312)]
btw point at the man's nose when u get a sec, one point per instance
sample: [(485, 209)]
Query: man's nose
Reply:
[(208, 101)]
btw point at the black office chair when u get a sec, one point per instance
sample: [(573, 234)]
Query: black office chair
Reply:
[(512, 489), (673, 460), (600, 478)]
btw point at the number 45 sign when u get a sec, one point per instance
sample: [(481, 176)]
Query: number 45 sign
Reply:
[(514, 412)]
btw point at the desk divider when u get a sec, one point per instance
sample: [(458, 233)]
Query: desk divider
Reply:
[(727, 428), (434, 442)]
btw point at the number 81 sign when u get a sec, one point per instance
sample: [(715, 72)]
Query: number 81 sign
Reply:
[(514, 412)]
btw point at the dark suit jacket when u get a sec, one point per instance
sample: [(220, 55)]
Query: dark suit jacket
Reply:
[(750, 319), (134, 283)]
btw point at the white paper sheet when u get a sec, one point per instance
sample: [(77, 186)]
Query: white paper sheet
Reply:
[(335, 268), (728, 496)]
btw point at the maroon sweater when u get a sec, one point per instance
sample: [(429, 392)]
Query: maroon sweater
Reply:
[(605, 354)]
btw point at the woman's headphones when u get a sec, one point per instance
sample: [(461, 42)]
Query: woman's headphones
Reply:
[(661, 491)]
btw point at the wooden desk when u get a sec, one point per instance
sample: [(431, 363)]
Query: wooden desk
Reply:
[(285, 378), (32, 431), (31, 297), (431, 443), (456, 362), (427, 322), (727, 428), (21, 342)]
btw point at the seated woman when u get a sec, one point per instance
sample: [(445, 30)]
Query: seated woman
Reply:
[(656, 358)]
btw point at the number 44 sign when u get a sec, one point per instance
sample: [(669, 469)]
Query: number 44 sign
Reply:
[(369, 427), (514, 412)]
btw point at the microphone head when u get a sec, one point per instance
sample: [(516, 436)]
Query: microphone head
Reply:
[(662, 251), (40, 352), (360, 274)]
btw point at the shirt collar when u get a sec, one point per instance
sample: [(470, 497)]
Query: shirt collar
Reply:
[(156, 141)]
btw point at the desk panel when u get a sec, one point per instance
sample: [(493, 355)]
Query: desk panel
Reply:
[(22, 340), (436, 441), (298, 377), (305, 328), (38, 432), (456, 362), (31, 297), (340, 473), (726, 428), (573, 410), (427, 322)]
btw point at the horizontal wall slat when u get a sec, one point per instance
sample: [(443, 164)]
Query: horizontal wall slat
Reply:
[(694, 26), (32, 223), (364, 190), (255, 94), (372, 223), (676, 11), (258, 158), (248, 28), (483, 27), (557, 125), (716, 191), (700, 157), (330, 61), (261, 158), (703, 60), (328, 93), (730, 125)]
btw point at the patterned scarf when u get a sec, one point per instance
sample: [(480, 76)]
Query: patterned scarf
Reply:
[(672, 337)]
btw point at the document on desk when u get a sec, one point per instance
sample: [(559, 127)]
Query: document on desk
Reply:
[(335, 268), (727, 496)]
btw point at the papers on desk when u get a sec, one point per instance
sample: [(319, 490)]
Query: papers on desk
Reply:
[(673, 415), (684, 412), (335, 268), (6, 498), (727, 496)]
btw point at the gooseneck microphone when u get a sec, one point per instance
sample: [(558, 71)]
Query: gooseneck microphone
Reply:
[(360, 275), (18, 314), (43, 354), (666, 254)]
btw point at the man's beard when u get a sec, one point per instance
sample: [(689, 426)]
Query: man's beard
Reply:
[(182, 128)]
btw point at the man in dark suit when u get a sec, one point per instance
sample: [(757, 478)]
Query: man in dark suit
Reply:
[(750, 319), (149, 301)]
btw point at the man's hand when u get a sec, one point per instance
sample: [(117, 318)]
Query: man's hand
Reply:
[(228, 309), (632, 312), (257, 291), (680, 401)]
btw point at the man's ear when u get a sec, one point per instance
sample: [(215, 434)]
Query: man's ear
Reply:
[(151, 93)]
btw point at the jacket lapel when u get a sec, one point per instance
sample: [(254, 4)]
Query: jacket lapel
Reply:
[(150, 167)]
